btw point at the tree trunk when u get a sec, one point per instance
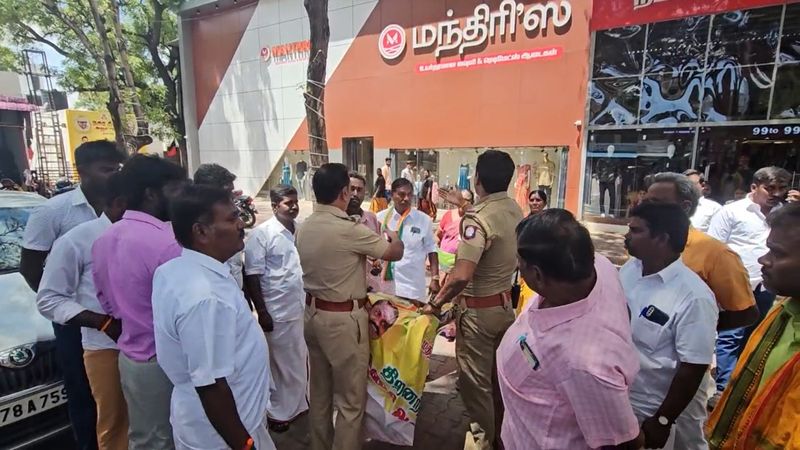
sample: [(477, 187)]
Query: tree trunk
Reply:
[(114, 97), (141, 121), (315, 85)]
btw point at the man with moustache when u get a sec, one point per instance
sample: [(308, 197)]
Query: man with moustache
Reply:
[(333, 251), (95, 161), (483, 271), (358, 191), (67, 296), (125, 258), (742, 225), (406, 278), (275, 282), (759, 408), (673, 321), (208, 342)]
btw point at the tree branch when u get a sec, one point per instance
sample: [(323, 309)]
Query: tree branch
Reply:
[(40, 38)]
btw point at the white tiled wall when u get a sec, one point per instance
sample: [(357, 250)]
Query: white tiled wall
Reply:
[(258, 106)]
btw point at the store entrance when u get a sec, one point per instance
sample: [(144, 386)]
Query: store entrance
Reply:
[(729, 156), (357, 155)]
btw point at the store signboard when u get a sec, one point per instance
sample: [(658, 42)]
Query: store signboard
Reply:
[(480, 32), (286, 53), (618, 13)]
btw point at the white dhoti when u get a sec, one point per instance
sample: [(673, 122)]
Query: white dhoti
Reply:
[(288, 361)]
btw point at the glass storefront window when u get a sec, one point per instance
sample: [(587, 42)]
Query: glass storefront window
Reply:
[(671, 98), (786, 100), (746, 37), (790, 40), (614, 101), (734, 92), (730, 155), (677, 45), (619, 52), (620, 163)]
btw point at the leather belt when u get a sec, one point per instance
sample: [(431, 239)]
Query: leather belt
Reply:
[(325, 305), (488, 302)]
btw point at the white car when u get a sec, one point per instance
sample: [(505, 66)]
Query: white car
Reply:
[(32, 396)]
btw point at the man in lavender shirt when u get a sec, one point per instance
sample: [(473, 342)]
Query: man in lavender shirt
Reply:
[(125, 258)]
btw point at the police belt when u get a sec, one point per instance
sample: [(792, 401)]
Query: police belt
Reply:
[(325, 305), (487, 302)]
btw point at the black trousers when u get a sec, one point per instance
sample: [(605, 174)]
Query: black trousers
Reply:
[(612, 196)]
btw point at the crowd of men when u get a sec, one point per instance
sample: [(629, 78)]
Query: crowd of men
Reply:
[(151, 287)]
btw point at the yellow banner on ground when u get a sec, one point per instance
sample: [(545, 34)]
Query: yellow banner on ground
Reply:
[(401, 344)]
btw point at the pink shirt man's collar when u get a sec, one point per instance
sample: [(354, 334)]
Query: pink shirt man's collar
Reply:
[(146, 218)]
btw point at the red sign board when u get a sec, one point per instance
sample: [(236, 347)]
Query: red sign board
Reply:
[(618, 13)]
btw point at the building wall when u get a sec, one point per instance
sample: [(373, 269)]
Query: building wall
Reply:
[(249, 111)]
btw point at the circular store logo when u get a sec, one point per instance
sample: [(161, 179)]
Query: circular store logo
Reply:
[(392, 41)]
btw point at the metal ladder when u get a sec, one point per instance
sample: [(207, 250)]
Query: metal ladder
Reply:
[(51, 160)]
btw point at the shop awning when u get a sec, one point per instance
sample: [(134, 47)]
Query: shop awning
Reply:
[(16, 104)]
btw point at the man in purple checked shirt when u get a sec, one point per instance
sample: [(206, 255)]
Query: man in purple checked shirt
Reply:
[(125, 258)]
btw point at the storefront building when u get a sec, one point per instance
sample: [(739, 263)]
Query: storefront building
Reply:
[(589, 98), (429, 81), (679, 84)]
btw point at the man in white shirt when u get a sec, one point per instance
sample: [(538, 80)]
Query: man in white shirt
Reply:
[(275, 282), (67, 296), (95, 161), (673, 320), (743, 226), (217, 176), (207, 341), (406, 278), (706, 208)]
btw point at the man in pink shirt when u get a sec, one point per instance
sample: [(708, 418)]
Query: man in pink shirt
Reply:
[(565, 366), (125, 259)]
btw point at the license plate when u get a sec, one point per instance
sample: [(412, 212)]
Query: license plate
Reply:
[(32, 404)]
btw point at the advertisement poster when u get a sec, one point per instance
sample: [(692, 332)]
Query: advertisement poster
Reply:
[(84, 126), (401, 343)]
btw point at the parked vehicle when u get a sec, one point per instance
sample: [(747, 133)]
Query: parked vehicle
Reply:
[(33, 401), (247, 210)]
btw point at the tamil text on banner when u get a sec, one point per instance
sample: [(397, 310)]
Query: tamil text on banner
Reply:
[(401, 343)]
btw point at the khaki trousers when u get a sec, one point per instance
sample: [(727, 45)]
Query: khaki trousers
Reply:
[(338, 351), (102, 370), (478, 334)]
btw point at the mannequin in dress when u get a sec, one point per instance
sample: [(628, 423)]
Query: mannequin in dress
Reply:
[(522, 187)]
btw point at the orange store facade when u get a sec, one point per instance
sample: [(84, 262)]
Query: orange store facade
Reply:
[(576, 91), (432, 81)]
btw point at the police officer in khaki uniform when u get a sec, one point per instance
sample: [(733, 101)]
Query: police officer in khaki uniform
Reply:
[(480, 283), (333, 251)]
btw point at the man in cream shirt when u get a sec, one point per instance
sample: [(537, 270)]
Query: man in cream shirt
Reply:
[(406, 278)]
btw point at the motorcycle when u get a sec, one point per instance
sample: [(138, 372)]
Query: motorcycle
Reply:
[(247, 209)]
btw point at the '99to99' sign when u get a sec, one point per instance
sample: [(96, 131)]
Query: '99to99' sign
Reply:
[(777, 131)]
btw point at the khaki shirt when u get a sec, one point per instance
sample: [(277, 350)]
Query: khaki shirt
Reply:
[(333, 251), (489, 239)]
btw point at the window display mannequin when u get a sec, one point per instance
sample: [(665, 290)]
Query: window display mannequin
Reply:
[(300, 170), (606, 174), (546, 174), (463, 177), (522, 187), (286, 176)]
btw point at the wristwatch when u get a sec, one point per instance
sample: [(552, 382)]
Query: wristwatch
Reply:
[(663, 421)]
